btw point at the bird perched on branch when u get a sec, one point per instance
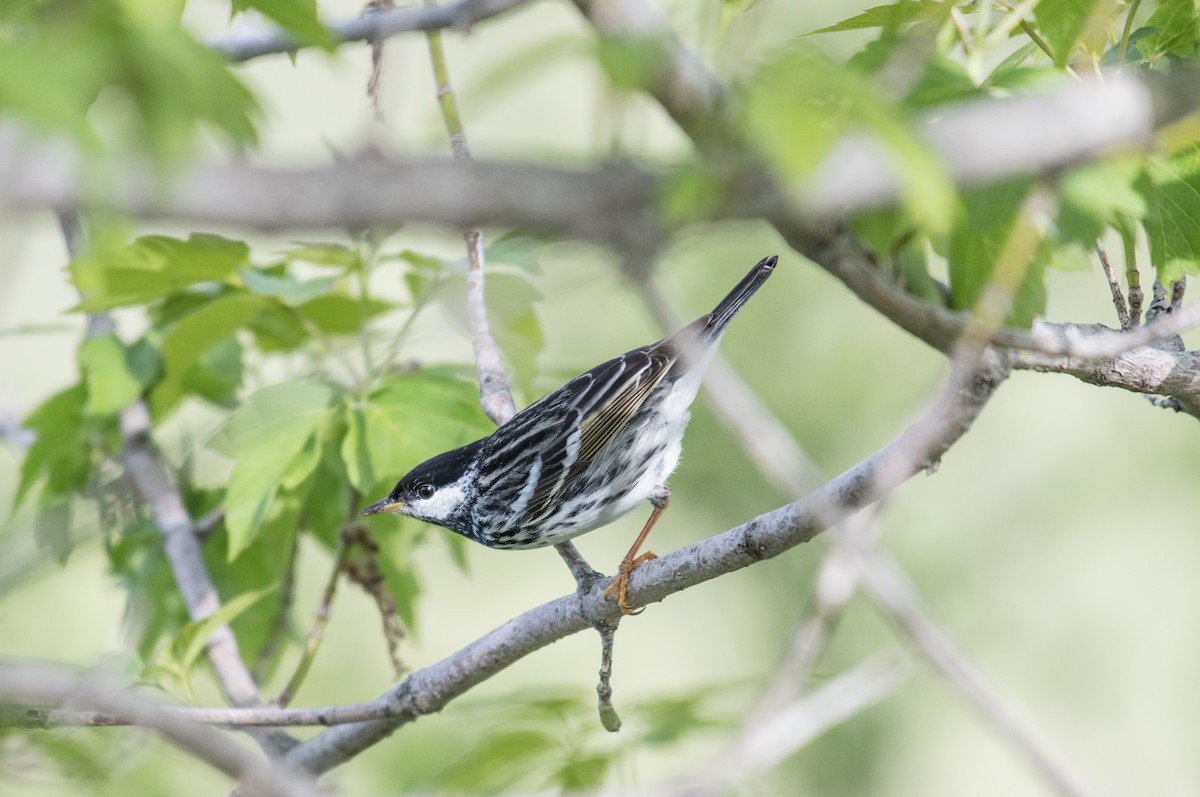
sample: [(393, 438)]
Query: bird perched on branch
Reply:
[(580, 457)]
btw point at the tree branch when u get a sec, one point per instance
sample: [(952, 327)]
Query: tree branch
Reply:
[(768, 535), (248, 41), (21, 684), (430, 688)]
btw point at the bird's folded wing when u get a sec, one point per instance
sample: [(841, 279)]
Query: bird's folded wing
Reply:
[(603, 401)]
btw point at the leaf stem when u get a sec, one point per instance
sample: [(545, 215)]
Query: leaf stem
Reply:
[(312, 642), (1133, 9)]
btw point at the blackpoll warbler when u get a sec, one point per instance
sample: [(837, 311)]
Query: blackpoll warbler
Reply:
[(580, 457)]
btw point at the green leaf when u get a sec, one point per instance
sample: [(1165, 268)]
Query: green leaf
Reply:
[(1064, 22), (187, 340), (153, 267), (217, 375), (298, 17), (521, 251), (277, 327), (190, 641), (286, 412), (325, 254), (799, 102), (581, 773), (115, 375), (1174, 30), (666, 720), (337, 314), (60, 451), (328, 505), (405, 421), (138, 75), (1171, 187), (287, 288), (271, 439), (993, 243), (888, 16), (500, 759)]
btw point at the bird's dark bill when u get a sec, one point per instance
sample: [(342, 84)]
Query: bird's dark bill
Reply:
[(386, 505)]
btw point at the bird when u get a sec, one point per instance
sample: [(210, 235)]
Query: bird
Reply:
[(581, 456)]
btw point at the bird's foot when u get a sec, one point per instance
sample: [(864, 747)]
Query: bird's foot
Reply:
[(619, 587)]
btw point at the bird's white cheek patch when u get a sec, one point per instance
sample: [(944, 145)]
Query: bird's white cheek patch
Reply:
[(441, 505)]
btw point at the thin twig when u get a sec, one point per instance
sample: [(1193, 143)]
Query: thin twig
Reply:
[(495, 396), (1129, 15), (312, 641), (797, 723), (1115, 287)]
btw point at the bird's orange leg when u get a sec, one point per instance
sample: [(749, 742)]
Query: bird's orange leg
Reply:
[(620, 584)]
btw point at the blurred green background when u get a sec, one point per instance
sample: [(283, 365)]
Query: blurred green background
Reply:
[(1057, 541)]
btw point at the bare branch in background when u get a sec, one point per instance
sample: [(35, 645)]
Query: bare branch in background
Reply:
[(797, 723), (247, 41), (21, 684), (894, 594), (370, 191)]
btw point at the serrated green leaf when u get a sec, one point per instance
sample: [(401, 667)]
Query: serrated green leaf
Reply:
[(991, 243), (1171, 187), (190, 641), (286, 412), (115, 375), (1173, 29), (406, 420), (193, 335), (271, 439), (286, 288), (153, 267), (1064, 22), (890, 16)]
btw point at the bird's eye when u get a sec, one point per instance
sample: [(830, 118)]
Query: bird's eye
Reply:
[(424, 491)]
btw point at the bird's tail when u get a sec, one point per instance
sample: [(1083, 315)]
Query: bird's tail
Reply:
[(724, 312)]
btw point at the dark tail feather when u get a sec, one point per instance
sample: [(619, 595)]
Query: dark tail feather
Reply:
[(724, 312)]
